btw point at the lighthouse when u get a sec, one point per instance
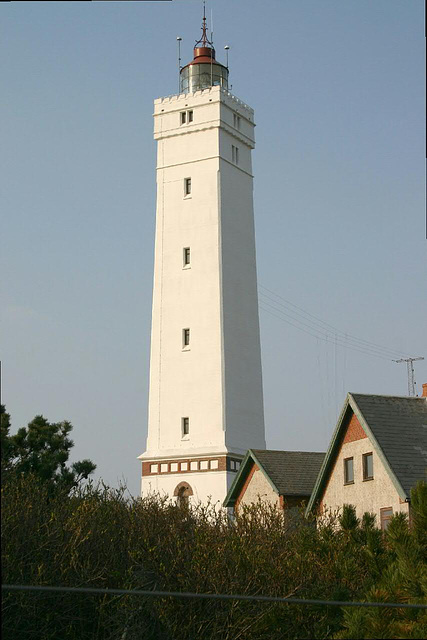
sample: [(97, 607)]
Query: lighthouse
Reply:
[(205, 395)]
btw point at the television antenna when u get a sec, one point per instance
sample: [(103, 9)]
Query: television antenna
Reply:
[(411, 373)]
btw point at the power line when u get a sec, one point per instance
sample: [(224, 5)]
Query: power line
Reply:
[(211, 596), (357, 342), (322, 336), (346, 335), (328, 334)]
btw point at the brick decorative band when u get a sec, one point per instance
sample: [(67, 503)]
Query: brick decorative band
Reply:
[(190, 465)]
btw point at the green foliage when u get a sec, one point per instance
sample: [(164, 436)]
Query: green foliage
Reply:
[(348, 519), (419, 515), (403, 579), (97, 537), (41, 449), (93, 536)]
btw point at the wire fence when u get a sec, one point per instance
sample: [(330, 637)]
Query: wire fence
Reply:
[(211, 596)]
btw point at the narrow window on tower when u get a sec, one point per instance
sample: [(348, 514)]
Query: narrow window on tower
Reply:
[(235, 154), (185, 426), (187, 186), (190, 116), (185, 338), (183, 117), (236, 121), (186, 257)]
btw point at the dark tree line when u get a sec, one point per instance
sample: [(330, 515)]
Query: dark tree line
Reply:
[(80, 534)]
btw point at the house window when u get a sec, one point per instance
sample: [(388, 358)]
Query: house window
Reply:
[(348, 471), (368, 466), (183, 117), (236, 121), (385, 517), (187, 186), (235, 154), (185, 426), (186, 256), (185, 338), (190, 116)]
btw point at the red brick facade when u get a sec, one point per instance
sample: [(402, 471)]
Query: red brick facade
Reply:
[(354, 431), (225, 463)]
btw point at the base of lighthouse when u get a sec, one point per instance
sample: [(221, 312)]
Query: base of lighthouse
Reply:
[(201, 479)]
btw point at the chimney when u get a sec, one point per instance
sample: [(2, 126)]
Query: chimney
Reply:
[(424, 390)]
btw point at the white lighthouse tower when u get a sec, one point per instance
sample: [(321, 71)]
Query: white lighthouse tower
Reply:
[(205, 402)]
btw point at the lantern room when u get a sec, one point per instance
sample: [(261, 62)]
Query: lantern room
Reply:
[(203, 71)]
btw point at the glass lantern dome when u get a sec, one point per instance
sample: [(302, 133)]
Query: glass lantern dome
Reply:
[(203, 71)]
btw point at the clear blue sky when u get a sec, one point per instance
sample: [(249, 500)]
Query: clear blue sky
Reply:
[(338, 92)]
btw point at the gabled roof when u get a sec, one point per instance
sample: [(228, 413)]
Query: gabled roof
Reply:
[(397, 429), (290, 473)]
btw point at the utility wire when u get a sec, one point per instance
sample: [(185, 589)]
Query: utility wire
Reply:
[(211, 596), (342, 337), (322, 336), (317, 320), (325, 332)]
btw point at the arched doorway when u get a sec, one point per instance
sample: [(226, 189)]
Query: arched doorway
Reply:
[(182, 492)]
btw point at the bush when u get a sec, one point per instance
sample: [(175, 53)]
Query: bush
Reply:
[(99, 537)]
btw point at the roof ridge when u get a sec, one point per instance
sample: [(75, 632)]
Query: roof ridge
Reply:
[(382, 395), (287, 451)]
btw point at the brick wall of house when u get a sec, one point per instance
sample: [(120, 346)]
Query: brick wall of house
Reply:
[(366, 494), (354, 430)]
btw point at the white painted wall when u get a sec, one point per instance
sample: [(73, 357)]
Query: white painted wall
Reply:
[(217, 381), (210, 486), (259, 488), (368, 495)]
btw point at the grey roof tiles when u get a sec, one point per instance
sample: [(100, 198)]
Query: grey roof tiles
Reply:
[(399, 425), (292, 472)]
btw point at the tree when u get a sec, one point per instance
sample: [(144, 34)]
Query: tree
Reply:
[(403, 580), (42, 449)]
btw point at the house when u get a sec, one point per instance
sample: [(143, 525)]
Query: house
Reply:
[(377, 454), (282, 478)]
